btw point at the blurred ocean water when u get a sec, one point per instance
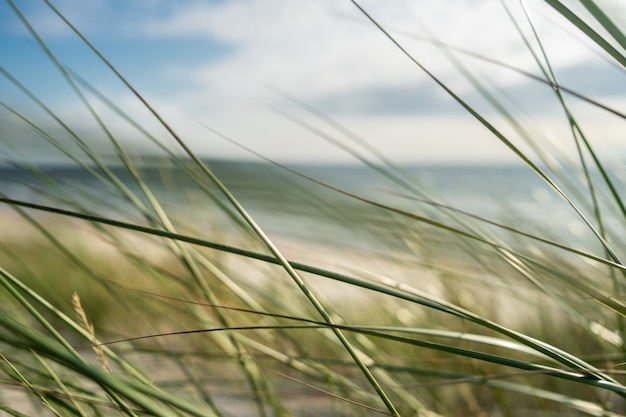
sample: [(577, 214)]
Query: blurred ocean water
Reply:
[(289, 205)]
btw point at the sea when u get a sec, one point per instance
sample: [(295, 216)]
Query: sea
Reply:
[(368, 206)]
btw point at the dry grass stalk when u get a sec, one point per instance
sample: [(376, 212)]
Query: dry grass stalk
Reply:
[(78, 308)]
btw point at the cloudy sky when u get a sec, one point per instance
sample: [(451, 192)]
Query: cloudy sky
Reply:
[(222, 64)]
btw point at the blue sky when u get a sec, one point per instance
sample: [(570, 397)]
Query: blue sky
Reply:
[(211, 62)]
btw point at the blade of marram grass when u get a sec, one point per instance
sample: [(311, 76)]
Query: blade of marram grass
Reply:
[(583, 406), (92, 401), (331, 394), (12, 412), (606, 22), (549, 78), (59, 382), (587, 30), (18, 376)]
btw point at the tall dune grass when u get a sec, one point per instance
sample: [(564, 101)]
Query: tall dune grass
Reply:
[(113, 302)]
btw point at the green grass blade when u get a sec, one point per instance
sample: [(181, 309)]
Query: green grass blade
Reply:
[(587, 30), (606, 22)]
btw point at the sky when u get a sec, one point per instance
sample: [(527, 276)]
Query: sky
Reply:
[(299, 80)]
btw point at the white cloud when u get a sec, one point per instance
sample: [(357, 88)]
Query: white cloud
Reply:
[(322, 49), (316, 48), (313, 48)]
